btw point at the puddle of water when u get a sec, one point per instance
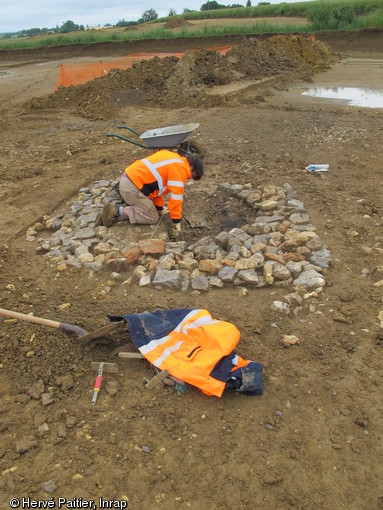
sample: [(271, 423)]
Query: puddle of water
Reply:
[(3, 74), (354, 96)]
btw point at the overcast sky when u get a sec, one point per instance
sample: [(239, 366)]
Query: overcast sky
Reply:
[(18, 15)]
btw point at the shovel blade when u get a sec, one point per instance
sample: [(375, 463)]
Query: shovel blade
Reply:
[(106, 330)]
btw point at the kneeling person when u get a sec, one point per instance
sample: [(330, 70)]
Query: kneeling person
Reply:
[(144, 184)]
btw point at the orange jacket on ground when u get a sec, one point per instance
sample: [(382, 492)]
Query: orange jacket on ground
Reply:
[(164, 172), (195, 348)]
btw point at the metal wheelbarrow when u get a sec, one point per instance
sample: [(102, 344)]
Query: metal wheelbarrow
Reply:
[(170, 137)]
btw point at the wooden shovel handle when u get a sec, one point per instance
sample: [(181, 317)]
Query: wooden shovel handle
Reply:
[(44, 322), (29, 318)]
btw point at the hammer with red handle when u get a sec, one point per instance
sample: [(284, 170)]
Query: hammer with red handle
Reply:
[(109, 367)]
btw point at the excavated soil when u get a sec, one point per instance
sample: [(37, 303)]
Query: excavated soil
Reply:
[(314, 439), (170, 82)]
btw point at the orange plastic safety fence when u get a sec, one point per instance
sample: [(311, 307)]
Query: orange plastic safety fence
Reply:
[(79, 73)]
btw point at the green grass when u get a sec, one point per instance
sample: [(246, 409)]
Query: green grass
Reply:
[(153, 33), (296, 9), (59, 40), (290, 10), (323, 15), (344, 15), (373, 20)]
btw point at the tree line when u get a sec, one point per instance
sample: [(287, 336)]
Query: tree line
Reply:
[(149, 15)]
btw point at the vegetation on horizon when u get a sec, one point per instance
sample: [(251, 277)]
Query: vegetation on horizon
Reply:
[(321, 14)]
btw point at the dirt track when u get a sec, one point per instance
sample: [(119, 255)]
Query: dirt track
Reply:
[(314, 439)]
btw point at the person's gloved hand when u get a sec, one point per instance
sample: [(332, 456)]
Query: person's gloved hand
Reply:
[(176, 230), (163, 211)]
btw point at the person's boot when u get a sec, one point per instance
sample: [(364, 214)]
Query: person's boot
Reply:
[(109, 214)]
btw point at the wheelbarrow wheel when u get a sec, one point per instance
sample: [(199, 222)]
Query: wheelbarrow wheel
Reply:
[(189, 147)]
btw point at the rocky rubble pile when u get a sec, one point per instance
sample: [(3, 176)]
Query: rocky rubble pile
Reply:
[(279, 248)]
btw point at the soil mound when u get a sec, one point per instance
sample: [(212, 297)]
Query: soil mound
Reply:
[(170, 82), (278, 54), (176, 23)]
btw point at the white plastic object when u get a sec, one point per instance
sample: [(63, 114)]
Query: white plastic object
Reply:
[(317, 168)]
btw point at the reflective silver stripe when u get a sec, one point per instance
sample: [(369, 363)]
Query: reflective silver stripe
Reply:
[(235, 360), (182, 326), (167, 352), (176, 197), (153, 345), (168, 162), (156, 175), (179, 184), (153, 169), (187, 318), (201, 321)]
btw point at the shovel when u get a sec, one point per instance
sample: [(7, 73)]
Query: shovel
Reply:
[(69, 328)]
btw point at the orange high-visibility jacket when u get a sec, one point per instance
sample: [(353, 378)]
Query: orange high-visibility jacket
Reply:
[(195, 348), (192, 350), (164, 172)]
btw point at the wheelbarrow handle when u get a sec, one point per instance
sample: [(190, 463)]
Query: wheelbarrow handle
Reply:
[(130, 129), (128, 140)]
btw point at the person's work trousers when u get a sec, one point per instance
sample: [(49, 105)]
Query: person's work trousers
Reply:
[(140, 208)]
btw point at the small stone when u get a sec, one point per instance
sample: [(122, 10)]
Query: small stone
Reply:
[(228, 274), (64, 307), (70, 422), (111, 388), (152, 246), (47, 398), (132, 255), (167, 279), (10, 321), (62, 431), (290, 340), (310, 280), (268, 205), (145, 449), (101, 249), (210, 266), (66, 382), (249, 276), (167, 262), (117, 263), (36, 389), (49, 486), (43, 429), (187, 263), (200, 283), (215, 282), (145, 280), (280, 307), (86, 257), (25, 444)]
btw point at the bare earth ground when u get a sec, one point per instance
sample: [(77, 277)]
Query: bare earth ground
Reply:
[(314, 439)]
